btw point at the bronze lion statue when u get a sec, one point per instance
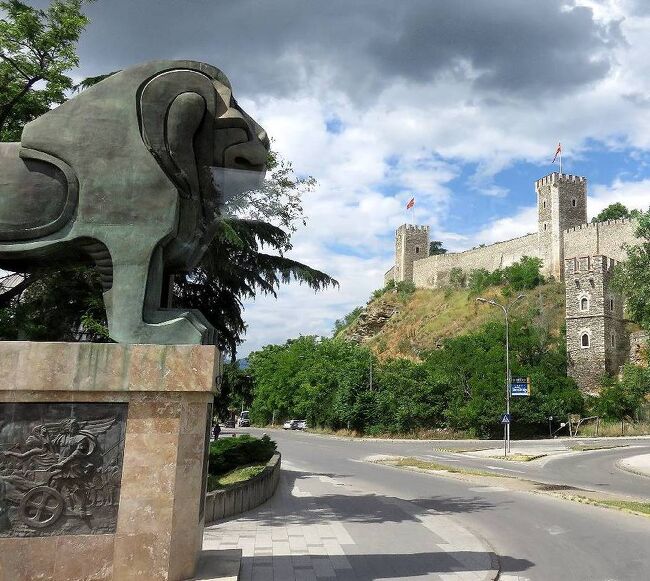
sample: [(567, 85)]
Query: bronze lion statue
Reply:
[(130, 176)]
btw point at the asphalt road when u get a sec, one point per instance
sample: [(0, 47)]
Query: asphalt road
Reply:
[(536, 537)]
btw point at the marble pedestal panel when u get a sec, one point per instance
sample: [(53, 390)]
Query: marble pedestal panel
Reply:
[(133, 419)]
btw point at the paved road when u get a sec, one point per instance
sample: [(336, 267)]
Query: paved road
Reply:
[(536, 537)]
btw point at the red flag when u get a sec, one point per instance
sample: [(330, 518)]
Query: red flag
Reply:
[(558, 151), (410, 204)]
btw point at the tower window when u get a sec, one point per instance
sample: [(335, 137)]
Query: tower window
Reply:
[(613, 340), (584, 340), (611, 304), (577, 284), (544, 225), (584, 304), (574, 202), (417, 250), (544, 204)]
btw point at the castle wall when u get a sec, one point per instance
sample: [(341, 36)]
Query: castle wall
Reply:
[(411, 246), (606, 238), (389, 276), (434, 271)]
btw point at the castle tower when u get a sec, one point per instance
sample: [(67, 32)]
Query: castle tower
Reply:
[(561, 204), (597, 340), (411, 244)]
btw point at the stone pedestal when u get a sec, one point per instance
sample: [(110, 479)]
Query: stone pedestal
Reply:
[(102, 459)]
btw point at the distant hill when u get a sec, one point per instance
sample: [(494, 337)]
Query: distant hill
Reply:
[(406, 325)]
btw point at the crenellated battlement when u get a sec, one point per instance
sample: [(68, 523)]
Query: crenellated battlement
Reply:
[(597, 225), (557, 177), (413, 228)]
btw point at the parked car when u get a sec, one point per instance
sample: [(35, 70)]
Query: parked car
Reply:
[(291, 425), (302, 424), (244, 420)]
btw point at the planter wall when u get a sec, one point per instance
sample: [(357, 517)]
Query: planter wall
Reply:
[(220, 504)]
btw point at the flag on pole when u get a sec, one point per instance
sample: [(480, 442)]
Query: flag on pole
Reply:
[(558, 151), (410, 204)]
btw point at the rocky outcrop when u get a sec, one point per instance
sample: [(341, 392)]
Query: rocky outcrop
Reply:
[(371, 321)]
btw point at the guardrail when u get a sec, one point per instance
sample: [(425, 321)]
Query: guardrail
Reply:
[(220, 504)]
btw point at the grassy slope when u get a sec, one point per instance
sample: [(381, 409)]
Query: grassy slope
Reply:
[(428, 316)]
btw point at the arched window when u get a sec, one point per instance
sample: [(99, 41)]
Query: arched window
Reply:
[(584, 340), (584, 304), (417, 250), (574, 202), (544, 225)]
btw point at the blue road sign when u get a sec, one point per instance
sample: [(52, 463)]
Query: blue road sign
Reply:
[(505, 419), (520, 386)]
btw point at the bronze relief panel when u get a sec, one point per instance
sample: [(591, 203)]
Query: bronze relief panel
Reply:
[(60, 468)]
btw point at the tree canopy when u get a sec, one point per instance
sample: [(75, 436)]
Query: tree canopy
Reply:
[(435, 247), (459, 387), (615, 211), (37, 48), (632, 277)]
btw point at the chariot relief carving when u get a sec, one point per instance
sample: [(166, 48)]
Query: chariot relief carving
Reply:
[(60, 468)]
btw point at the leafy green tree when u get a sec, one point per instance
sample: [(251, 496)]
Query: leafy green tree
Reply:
[(436, 247), (37, 48), (457, 278), (64, 305), (632, 277), (236, 390), (524, 274), (615, 211)]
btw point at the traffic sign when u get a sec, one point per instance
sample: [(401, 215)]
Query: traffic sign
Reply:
[(520, 386), (505, 419)]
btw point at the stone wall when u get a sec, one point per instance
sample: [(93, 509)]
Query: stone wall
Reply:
[(220, 504), (390, 275), (434, 270), (606, 238)]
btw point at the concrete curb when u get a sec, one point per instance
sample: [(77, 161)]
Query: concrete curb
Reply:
[(221, 504), (624, 465)]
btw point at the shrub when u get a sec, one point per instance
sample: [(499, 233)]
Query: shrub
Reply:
[(405, 289), (457, 278), (525, 274), (229, 453), (480, 279)]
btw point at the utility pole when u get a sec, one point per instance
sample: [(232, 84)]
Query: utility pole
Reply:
[(506, 311)]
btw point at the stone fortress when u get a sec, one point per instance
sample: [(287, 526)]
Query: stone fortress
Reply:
[(580, 253)]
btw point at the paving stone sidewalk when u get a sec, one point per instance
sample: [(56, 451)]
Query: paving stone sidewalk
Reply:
[(319, 527)]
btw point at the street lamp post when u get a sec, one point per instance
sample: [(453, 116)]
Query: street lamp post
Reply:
[(506, 311)]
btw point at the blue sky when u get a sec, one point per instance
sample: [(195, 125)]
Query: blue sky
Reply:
[(460, 104)]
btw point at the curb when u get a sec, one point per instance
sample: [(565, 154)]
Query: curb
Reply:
[(244, 496), (620, 464)]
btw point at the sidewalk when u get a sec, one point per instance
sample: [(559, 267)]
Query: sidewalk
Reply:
[(318, 527), (638, 464)]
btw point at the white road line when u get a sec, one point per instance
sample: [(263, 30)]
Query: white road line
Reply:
[(508, 469)]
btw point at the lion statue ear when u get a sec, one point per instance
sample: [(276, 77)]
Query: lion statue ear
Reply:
[(177, 109)]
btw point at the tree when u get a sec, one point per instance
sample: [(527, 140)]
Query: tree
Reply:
[(615, 211), (632, 277), (37, 47), (435, 247)]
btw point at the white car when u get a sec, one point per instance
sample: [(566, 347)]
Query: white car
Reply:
[(302, 424), (291, 425)]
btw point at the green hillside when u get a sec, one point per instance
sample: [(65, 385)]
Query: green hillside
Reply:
[(403, 324)]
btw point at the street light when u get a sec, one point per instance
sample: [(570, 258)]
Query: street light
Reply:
[(506, 310)]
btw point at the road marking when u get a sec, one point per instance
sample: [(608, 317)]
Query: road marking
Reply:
[(555, 530), (508, 469)]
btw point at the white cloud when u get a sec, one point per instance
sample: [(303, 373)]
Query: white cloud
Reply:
[(633, 194)]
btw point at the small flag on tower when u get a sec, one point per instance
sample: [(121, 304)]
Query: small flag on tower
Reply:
[(410, 204), (558, 151)]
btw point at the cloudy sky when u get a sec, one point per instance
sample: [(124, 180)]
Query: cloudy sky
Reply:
[(459, 103)]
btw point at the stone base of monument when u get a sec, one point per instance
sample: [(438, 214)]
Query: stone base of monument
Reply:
[(103, 459)]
